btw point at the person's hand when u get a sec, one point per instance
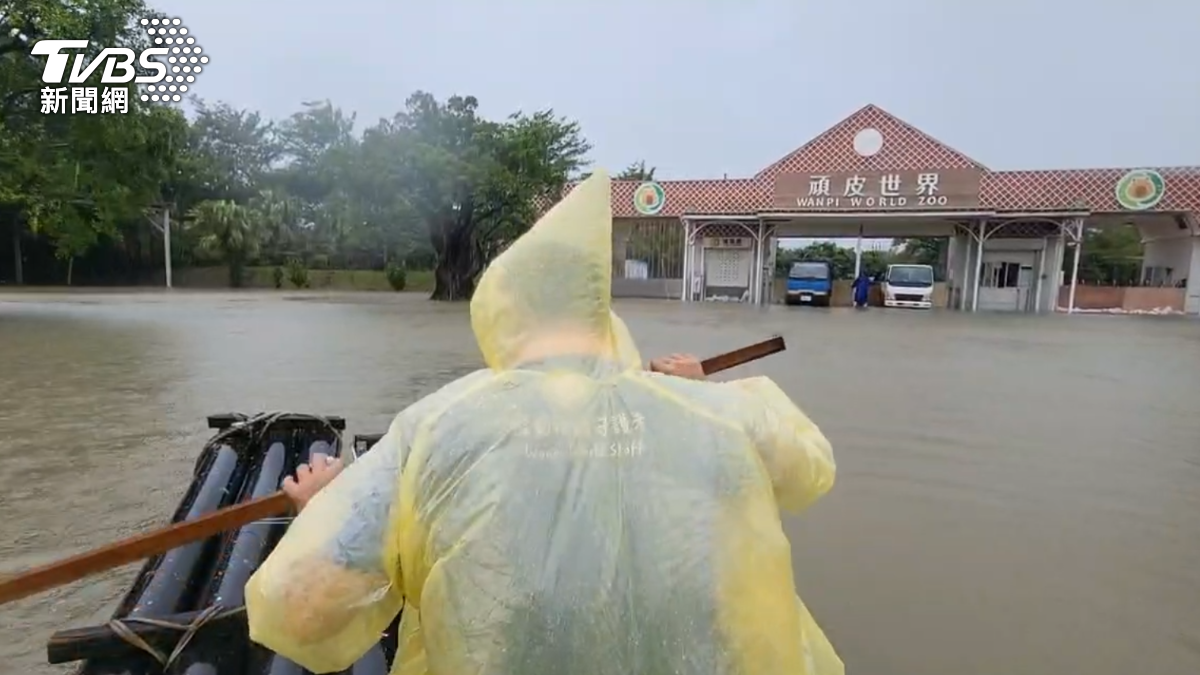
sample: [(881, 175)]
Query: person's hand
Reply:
[(310, 478), (679, 365)]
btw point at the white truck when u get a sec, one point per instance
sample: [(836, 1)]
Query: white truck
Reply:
[(908, 286)]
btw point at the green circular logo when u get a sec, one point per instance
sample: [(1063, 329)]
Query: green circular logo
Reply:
[(1141, 189), (649, 199)]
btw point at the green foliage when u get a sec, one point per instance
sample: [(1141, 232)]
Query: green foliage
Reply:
[(277, 276), (235, 149), (922, 250), (227, 230), (436, 184), (297, 273), (77, 180), (476, 184), (874, 263), (660, 245), (1110, 256), (637, 171), (397, 277)]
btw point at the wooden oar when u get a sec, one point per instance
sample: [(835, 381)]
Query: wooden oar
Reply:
[(157, 542), (743, 356)]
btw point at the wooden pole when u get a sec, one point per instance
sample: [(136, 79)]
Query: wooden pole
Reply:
[(147, 545)]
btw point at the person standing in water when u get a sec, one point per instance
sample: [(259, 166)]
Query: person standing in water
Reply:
[(862, 290)]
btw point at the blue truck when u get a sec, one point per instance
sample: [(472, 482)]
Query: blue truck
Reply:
[(810, 282)]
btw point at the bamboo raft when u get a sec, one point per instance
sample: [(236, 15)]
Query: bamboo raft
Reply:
[(184, 614)]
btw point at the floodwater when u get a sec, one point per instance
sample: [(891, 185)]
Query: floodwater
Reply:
[(1015, 494)]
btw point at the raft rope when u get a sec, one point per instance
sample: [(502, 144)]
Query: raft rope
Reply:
[(259, 424), (121, 629)]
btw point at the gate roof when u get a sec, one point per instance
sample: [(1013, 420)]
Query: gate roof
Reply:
[(907, 148)]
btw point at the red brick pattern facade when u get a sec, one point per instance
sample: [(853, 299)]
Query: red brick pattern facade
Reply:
[(907, 148)]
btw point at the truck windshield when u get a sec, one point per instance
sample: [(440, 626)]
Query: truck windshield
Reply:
[(809, 270), (910, 275)]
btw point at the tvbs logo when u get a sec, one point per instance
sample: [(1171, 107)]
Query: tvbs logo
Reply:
[(174, 58), (117, 62)]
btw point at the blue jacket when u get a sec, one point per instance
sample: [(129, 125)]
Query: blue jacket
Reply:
[(861, 287)]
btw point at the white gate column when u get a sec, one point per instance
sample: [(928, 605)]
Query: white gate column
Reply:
[(858, 252), (978, 265), (685, 273), (1077, 232), (756, 294)]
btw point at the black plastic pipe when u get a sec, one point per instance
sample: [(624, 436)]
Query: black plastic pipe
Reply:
[(244, 553), (175, 576), (251, 543), (322, 447)]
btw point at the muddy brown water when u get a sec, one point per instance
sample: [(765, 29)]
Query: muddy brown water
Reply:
[(1015, 494)]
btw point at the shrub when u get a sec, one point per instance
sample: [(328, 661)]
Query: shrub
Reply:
[(397, 277), (277, 276), (297, 273)]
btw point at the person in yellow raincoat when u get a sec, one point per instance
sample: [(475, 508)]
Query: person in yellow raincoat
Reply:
[(563, 510)]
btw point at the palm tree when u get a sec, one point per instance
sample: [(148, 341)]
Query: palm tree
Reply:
[(276, 215), (230, 230), (637, 171)]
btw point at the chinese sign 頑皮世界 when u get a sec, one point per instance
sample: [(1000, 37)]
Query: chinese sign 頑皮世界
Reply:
[(878, 190)]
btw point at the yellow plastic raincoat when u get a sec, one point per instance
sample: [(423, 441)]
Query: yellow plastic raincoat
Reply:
[(562, 510)]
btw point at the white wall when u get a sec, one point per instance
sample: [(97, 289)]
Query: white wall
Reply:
[(960, 269), (1044, 254), (1191, 302), (1182, 255), (1175, 253), (1052, 276)]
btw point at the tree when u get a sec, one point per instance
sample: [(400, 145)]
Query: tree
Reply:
[(277, 218), (313, 147), (1110, 256), (637, 171), (228, 229), (374, 176), (659, 246), (476, 184), (436, 185), (74, 179), (875, 263), (234, 150), (923, 250), (840, 258)]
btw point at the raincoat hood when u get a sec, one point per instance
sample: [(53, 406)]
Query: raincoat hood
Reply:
[(555, 283)]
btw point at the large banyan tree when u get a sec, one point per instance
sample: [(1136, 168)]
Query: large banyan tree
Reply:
[(477, 184)]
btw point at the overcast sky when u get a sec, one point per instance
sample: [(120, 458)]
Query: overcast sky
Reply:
[(703, 88)]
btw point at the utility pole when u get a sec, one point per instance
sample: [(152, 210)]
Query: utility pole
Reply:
[(165, 229)]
